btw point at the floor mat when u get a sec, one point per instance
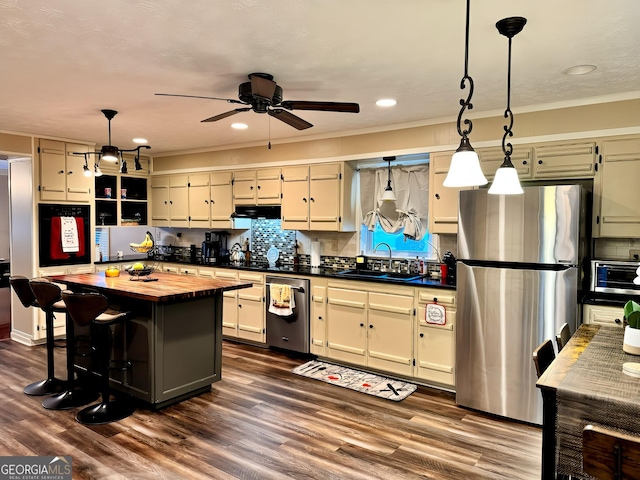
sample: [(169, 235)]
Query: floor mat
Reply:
[(364, 382)]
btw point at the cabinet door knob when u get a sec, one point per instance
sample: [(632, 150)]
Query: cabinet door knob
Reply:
[(437, 196), (206, 201), (421, 335), (312, 199), (539, 162), (362, 324), (617, 320), (524, 162), (435, 299), (60, 172), (239, 306), (212, 202), (258, 187), (70, 172), (319, 318), (370, 326), (251, 187), (304, 200)]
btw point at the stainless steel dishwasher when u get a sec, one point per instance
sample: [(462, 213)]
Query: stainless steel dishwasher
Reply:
[(289, 332)]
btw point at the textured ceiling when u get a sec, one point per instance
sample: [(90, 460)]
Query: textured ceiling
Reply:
[(63, 61)]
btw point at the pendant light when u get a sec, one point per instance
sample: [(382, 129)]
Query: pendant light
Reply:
[(388, 195), (506, 181), (465, 168)]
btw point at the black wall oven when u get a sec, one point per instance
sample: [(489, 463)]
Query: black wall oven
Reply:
[(64, 234)]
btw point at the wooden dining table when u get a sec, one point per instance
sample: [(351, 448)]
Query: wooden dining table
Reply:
[(585, 385)]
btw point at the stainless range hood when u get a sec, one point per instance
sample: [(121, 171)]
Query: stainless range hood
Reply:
[(257, 211)]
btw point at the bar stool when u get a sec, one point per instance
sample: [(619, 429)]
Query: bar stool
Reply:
[(49, 298), (92, 309), (21, 285)]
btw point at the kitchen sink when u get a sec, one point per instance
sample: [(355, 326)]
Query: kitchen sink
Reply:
[(391, 276)]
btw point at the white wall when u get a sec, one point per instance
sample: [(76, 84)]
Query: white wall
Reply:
[(4, 214)]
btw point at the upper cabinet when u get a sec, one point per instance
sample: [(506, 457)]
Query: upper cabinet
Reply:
[(62, 174), (210, 200), (257, 187), (318, 197), (616, 207), (443, 201), (170, 201), (560, 160)]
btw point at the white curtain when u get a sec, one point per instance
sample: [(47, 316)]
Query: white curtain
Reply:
[(408, 212)]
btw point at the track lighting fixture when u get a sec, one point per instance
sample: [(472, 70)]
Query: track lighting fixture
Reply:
[(111, 153), (465, 170)]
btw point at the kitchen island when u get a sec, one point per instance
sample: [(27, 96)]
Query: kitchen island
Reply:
[(172, 344)]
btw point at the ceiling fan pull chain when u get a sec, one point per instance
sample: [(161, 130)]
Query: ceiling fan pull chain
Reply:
[(269, 120)]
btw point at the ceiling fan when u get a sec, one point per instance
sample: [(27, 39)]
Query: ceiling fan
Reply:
[(263, 95)]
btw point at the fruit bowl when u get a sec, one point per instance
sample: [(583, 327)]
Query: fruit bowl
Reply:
[(135, 274), (112, 272)]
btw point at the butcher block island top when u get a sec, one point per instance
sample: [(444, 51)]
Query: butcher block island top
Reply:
[(168, 287), (172, 341)]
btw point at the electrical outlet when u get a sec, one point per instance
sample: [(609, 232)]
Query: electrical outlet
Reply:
[(334, 245), (634, 254)]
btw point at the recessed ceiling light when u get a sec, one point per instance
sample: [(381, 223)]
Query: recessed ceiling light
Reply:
[(239, 126), (579, 70), (386, 102), (139, 140)]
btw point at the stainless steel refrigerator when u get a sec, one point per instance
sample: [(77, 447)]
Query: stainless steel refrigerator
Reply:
[(520, 264)]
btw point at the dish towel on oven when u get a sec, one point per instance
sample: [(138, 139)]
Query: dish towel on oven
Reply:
[(282, 300), (69, 235)]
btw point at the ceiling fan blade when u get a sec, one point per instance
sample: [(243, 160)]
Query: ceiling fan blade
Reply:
[(290, 119), (262, 87), (225, 115), (321, 106), (229, 100)]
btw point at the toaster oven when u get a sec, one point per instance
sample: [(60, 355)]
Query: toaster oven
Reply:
[(614, 276)]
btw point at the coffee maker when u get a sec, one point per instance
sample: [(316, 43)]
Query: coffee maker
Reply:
[(214, 248)]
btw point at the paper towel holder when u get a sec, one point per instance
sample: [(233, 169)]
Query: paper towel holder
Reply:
[(315, 252)]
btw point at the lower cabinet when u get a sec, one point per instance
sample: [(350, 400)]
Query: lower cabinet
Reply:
[(371, 327), (435, 339), (318, 327), (603, 315), (243, 311)]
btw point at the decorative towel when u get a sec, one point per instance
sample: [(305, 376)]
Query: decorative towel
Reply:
[(55, 240), (282, 300), (69, 235)]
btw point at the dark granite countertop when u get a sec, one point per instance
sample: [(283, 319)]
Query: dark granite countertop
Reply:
[(286, 268)]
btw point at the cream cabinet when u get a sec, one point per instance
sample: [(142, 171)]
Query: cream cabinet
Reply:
[(243, 311), (318, 325), (62, 174), (371, 325), (561, 160), (221, 199), (492, 157), (257, 187), (390, 332), (170, 201), (318, 197), (199, 201), (435, 341), (347, 325), (443, 201), (603, 315), (615, 203)]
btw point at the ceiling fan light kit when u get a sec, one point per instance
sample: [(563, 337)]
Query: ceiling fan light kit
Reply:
[(506, 181), (110, 153), (465, 170)]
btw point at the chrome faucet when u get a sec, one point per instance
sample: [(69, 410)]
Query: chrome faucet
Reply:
[(389, 247)]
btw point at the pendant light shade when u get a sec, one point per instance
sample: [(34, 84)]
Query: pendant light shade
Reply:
[(506, 181), (465, 170), (389, 195), (109, 153), (85, 168)]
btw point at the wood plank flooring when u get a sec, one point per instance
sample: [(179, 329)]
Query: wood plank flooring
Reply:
[(263, 422)]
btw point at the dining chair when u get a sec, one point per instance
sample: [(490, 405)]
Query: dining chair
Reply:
[(543, 356), (609, 455), (563, 336)]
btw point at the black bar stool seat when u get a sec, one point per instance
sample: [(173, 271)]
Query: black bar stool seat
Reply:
[(92, 309), (49, 297), (50, 385)]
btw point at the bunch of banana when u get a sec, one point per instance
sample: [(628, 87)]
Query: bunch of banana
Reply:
[(146, 243)]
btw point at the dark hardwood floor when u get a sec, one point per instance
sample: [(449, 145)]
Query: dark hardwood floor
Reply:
[(261, 422)]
